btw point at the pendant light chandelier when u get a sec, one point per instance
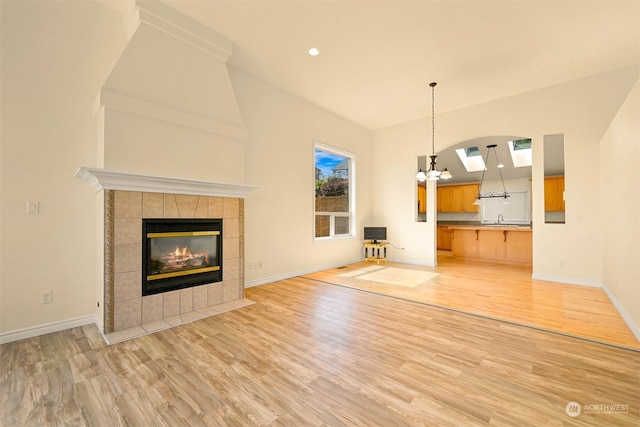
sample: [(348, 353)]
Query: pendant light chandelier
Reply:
[(433, 174), (491, 195)]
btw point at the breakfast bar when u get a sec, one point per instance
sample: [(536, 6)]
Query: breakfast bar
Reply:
[(503, 244)]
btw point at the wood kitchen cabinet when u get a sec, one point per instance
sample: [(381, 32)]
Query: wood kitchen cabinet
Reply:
[(469, 194), (519, 247), (422, 198), (444, 238), (503, 245), (444, 199), (492, 245), (464, 242), (554, 193), (457, 198)]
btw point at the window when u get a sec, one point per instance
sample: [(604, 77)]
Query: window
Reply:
[(471, 159), (334, 171), (521, 152)]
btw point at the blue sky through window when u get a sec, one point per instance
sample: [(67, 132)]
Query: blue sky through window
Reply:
[(326, 161)]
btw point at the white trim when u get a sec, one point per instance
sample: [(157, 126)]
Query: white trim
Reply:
[(102, 179), (34, 331), (635, 330), (140, 107), (567, 280), (173, 23), (289, 275)]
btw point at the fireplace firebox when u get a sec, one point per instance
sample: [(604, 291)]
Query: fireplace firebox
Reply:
[(180, 253)]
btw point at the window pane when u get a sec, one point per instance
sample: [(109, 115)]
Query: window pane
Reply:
[(332, 182), (323, 224), (332, 203), (342, 225)]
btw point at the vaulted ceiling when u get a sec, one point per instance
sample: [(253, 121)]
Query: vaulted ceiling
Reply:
[(377, 57)]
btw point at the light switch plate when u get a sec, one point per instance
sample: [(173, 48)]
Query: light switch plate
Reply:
[(33, 207)]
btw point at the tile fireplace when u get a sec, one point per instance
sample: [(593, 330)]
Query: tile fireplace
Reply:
[(180, 253), (198, 227), (130, 216)]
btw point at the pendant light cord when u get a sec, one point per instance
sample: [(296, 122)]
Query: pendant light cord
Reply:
[(433, 119)]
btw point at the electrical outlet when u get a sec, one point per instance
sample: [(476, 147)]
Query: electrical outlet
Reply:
[(259, 264), (46, 297), (251, 267)]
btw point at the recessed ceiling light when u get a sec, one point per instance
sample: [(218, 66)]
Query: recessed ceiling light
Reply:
[(314, 51)]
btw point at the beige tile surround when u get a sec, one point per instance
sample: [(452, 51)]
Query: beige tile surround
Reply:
[(126, 310)]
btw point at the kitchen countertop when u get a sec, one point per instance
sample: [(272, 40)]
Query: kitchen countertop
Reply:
[(485, 227), (476, 225)]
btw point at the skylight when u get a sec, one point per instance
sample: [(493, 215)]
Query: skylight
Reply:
[(471, 159), (520, 152)]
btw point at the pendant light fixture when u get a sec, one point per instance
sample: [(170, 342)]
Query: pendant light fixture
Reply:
[(433, 174), (491, 195)]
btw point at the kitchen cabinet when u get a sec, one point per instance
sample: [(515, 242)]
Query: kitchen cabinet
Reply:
[(444, 199), (554, 194), (503, 245), (422, 198), (469, 194), (491, 245), (444, 238), (519, 247), (457, 198), (464, 242)]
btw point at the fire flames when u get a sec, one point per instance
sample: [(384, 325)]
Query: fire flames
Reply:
[(183, 258), (182, 253)]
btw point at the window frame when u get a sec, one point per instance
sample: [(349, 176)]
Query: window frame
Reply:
[(351, 194)]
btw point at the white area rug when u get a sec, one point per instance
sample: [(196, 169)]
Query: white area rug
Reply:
[(361, 271), (393, 276)]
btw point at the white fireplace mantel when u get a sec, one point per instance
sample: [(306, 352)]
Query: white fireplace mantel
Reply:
[(102, 179)]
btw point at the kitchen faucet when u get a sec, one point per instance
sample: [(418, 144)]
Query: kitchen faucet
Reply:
[(500, 216)]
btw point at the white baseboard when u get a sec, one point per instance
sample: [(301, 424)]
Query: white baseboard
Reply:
[(635, 330), (289, 275), (567, 280), (34, 331)]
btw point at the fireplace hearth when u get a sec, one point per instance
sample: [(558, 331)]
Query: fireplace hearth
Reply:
[(180, 253)]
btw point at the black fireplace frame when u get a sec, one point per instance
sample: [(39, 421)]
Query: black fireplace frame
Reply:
[(172, 225)]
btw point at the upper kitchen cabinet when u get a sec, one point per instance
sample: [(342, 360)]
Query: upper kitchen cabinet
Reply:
[(554, 179), (457, 198), (422, 198), (421, 193), (554, 194), (469, 194)]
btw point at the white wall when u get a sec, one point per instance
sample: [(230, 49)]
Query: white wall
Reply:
[(55, 56), (279, 223), (581, 109), (395, 153), (620, 151)]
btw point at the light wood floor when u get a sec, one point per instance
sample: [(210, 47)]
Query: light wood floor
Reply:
[(313, 354), (507, 293)]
